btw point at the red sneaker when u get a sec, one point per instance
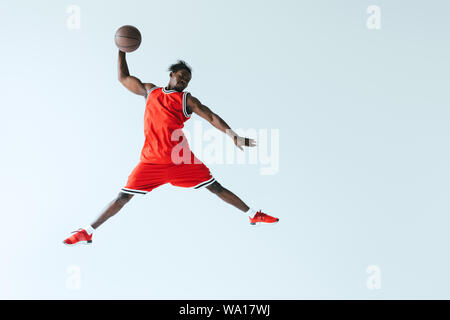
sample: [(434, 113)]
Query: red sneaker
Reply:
[(261, 217), (79, 236)]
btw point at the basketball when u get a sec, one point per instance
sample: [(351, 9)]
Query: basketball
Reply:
[(127, 38)]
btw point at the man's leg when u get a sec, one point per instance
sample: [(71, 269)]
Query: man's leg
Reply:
[(84, 235), (227, 196), (256, 217), (184, 175), (112, 208)]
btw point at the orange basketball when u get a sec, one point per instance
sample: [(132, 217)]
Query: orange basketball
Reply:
[(128, 38)]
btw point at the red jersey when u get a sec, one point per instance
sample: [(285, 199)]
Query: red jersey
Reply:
[(165, 112)]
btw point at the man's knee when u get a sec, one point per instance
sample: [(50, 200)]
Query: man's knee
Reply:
[(215, 187), (123, 197)]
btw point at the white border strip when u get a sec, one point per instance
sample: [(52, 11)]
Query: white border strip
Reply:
[(149, 91), (186, 114), (207, 183), (168, 91), (132, 191)]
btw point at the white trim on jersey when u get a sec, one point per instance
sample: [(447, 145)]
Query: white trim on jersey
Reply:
[(205, 183), (168, 91), (132, 191), (149, 91), (186, 114)]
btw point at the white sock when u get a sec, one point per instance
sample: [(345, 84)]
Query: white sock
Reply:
[(251, 212), (89, 230)]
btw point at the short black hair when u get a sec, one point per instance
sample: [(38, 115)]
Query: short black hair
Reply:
[(180, 65)]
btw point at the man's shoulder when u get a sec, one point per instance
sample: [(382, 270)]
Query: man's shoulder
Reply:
[(192, 100), (150, 86)]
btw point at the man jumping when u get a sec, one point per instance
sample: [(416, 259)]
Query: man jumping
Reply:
[(165, 156)]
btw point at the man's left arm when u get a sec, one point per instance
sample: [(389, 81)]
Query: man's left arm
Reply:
[(203, 111)]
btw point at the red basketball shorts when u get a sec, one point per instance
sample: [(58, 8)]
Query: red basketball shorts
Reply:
[(147, 176)]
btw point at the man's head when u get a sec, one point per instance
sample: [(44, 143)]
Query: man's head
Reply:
[(180, 75)]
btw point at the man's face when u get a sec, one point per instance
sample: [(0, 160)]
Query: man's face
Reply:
[(180, 79)]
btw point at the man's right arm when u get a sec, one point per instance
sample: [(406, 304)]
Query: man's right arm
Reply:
[(130, 82)]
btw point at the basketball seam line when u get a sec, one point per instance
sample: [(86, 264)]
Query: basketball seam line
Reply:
[(134, 45), (126, 37)]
